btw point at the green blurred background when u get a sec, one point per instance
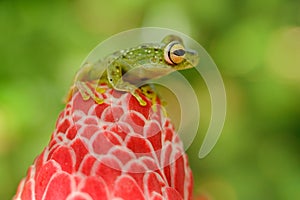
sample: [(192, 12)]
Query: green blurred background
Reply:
[(255, 43)]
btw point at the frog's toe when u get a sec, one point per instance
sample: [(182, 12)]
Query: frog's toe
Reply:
[(141, 101), (100, 90), (98, 100)]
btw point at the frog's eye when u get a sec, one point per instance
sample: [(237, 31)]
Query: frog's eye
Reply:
[(174, 53)]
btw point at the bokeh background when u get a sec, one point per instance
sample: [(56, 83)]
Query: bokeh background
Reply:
[(255, 44)]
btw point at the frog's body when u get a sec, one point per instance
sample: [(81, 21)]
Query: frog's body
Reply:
[(128, 69)]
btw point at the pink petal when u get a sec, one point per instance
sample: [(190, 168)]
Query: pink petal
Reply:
[(123, 154), (63, 156), (138, 145), (154, 183), (109, 169), (58, 188), (96, 188), (63, 126), (80, 152), (87, 164), (172, 194), (28, 191), (127, 188), (136, 121), (135, 106), (42, 180), (101, 145), (178, 176)]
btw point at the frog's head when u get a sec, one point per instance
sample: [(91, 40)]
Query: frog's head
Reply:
[(176, 55)]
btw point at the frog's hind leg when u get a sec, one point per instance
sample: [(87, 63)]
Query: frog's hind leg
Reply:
[(86, 92), (150, 93)]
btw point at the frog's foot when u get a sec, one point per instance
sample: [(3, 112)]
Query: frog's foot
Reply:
[(132, 89), (148, 91), (139, 98), (100, 90), (86, 92)]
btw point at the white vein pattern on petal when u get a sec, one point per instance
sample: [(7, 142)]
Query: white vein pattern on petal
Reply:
[(112, 159), (83, 195)]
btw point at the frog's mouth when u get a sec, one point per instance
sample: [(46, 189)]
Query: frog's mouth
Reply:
[(192, 57)]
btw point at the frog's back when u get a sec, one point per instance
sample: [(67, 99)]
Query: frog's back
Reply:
[(142, 54)]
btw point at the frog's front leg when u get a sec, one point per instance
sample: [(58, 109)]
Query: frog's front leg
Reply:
[(114, 76), (86, 92), (81, 83), (127, 87)]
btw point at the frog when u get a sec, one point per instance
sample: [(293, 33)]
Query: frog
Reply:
[(127, 70)]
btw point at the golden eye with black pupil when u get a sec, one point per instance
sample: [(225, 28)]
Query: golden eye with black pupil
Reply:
[(174, 53)]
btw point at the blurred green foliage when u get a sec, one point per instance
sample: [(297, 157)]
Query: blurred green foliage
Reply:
[(256, 45)]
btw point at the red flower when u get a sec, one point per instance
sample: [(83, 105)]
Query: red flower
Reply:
[(114, 150)]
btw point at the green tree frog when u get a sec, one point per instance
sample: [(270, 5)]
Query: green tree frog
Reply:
[(127, 69)]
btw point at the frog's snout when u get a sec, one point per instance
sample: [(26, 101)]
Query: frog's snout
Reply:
[(192, 57)]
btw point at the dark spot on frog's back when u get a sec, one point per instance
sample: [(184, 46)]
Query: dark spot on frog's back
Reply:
[(144, 79), (143, 46)]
